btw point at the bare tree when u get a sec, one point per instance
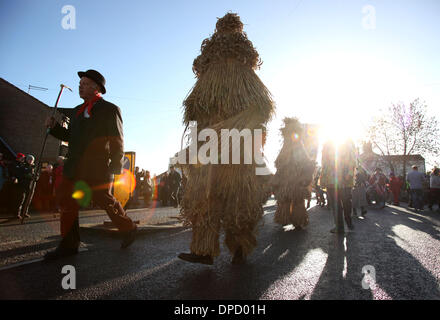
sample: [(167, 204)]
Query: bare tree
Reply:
[(405, 130)]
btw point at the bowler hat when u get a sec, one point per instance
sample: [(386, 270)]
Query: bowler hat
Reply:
[(95, 76)]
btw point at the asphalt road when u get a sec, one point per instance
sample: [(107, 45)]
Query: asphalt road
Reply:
[(400, 248)]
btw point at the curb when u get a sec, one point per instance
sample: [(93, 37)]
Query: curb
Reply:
[(145, 228)]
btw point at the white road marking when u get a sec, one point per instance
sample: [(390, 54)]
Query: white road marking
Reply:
[(19, 264), (11, 242)]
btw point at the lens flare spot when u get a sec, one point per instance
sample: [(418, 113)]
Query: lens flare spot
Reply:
[(295, 137), (82, 193), (78, 195), (126, 181)]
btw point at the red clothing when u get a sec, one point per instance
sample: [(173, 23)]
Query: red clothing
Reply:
[(58, 175), (395, 183), (395, 186), (89, 105)]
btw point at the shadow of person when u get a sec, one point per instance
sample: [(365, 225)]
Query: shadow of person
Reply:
[(401, 252)]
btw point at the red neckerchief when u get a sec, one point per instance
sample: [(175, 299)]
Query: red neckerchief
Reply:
[(89, 105)]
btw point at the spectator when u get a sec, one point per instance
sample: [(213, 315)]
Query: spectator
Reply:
[(3, 171), (147, 188), (415, 180), (3, 182), (434, 185), (378, 185), (395, 186), (174, 179), (57, 178), (163, 189), (359, 192), (337, 175), (44, 189), (137, 189), (23, 174)]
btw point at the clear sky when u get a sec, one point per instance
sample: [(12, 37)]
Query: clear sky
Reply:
[(333, 63)]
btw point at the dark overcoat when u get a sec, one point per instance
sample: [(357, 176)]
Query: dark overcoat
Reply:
[(96, 144)]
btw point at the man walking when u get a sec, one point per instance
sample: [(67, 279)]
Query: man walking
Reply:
[(415, 180), (95, 154), (337, 175)]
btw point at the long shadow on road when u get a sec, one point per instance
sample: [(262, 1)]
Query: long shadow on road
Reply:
[(309, 264)]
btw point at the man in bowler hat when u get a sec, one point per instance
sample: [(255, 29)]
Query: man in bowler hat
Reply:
[(96, 152)]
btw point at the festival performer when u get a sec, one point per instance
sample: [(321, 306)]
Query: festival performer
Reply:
[(227, 95), (95, 154), (292, 182)]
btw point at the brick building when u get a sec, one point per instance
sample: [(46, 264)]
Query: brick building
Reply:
[(22, 119)]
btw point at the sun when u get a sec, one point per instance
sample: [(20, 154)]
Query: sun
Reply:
[(335, 132)]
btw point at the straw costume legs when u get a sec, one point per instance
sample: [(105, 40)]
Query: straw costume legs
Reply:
[(206, 238), (219, 207), (292, 212), (292, 182)]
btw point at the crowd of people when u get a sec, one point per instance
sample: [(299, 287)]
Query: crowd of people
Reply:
[(18, 194), (349, 188), (340, 185), (167, 188)]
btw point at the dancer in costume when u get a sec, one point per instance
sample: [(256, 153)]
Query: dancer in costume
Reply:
[(293, 180), (227, 95)]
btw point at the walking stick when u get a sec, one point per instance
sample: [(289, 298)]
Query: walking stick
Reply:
[(36, 173)]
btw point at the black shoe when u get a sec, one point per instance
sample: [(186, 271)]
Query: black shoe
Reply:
[(129, 238), (350, 226), (238, 257), (195, 258), (60, 252)]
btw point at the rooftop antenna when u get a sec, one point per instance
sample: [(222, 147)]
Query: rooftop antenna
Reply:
[(36, 88)]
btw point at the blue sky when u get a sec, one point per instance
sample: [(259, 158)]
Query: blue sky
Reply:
[(319, 61)]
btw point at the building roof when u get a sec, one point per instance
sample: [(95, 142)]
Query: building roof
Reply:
[(411, 157)]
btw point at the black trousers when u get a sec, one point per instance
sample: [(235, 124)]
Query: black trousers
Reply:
[(24, 194), (340, 203), (100, 194)]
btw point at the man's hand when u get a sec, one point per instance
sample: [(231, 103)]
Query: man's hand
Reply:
[(50, 122)]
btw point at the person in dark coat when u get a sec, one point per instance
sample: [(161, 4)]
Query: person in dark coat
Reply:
[(164, 189), (174, 179), (22, 175), (95, 154)]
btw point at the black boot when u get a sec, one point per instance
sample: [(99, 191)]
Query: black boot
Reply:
[(195, 258), (129, 238), (60, 252), (239, 257)]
